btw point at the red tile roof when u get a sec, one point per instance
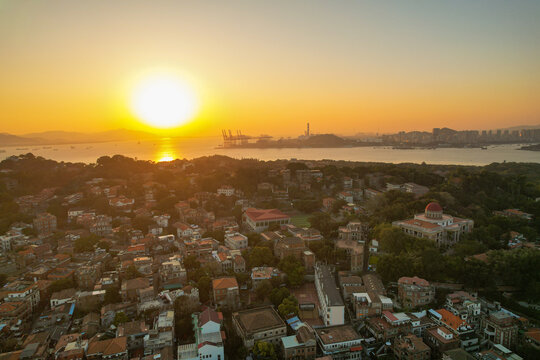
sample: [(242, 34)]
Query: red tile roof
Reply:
[(265, 214), (451, 320), (224, 283)]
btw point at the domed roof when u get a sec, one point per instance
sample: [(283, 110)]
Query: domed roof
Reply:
[(433, 207)]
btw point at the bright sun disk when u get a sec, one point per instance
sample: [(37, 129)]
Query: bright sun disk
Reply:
[(164, 101)]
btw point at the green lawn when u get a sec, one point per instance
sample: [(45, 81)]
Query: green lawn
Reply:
[(300, 221)]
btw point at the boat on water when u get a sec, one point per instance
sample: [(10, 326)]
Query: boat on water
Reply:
[(21, 149), (483, 147)]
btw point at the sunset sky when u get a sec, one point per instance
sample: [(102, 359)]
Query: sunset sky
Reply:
[(270, 67)]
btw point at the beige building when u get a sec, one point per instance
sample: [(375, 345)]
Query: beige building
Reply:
[(260, 324), (435, 225)]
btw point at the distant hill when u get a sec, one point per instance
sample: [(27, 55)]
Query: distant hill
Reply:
[(66, 137), (14, 140)]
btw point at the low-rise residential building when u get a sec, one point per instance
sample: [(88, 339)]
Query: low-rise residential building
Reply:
[(414, 292), (134, 331), (370, 304), (162, 335), (302, 345), (498, 352), (259, 274), (440, 340), (259, 324), (236, 241), (226, 292), (21, 291), (63, 297), (339, 342), (389, 325), (111, 349), (331, 306), (172, 270), (225, 190), (45, 224), (259, 220), (465, 305), (209, 339), (411, 347), (354, 231), (289, 246), (133, 289), (500, 327), (469, 341), (355, 253)]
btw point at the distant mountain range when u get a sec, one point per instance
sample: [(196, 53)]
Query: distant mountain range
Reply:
[(66, 137)]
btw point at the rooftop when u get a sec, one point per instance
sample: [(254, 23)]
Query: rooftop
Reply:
[(224, 283), (255, 320), (329, 286), (265, 214), (337, 334)]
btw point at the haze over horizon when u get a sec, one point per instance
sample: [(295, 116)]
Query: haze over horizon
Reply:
[(346, 68)]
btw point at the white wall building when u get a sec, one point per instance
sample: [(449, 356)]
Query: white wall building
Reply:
[(331, 308)]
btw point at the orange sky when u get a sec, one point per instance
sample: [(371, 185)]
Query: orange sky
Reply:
[(365, 66)]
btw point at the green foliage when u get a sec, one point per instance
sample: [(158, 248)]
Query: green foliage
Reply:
[(105, 245), (204, 285), (142, 223), (86, 244), (264, 350), (263, 289), (278, 294), (288, 307), (260, 256), (3, 279), (112, 296), (324, 223), (183, 308), (63, 284), (191, 263), (132, 273), (120, 318), (294, 269)]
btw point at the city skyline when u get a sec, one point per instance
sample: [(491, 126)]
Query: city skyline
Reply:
[(355, 67)]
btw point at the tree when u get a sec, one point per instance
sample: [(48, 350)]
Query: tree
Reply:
[(288, 307), (264, 350), (132, 273), (294, 269), (62, 284), (102, 244), (191, 263), (263, 290), (183, 308), (85, 244), (204, 285), (278, 294), (112, 296), (120, 318), (261, 256)]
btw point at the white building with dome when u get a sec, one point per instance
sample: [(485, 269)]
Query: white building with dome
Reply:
[(435, 225)]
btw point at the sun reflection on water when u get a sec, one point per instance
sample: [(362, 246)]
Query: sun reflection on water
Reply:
[(166, 151)]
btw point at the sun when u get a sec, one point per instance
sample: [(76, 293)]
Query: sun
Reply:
[(164, 101)]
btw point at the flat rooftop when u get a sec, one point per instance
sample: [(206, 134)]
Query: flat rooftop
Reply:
[(259, 319), (337, 334)]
